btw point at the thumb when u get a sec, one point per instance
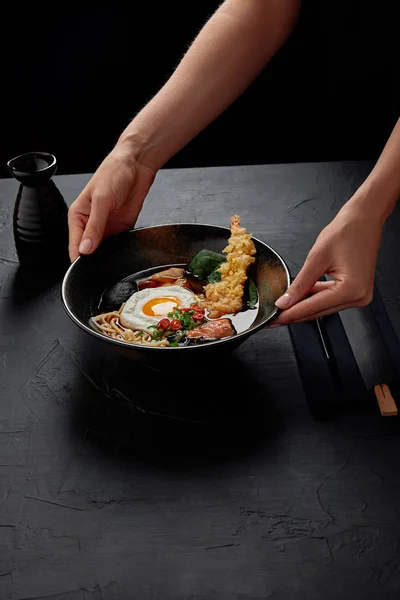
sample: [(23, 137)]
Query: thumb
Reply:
[(95, 227), (312, 271)]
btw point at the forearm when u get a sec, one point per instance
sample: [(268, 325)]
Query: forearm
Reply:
[(227, 55), (379, 193)]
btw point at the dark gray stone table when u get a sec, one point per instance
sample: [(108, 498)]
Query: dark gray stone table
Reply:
[(247, 497)]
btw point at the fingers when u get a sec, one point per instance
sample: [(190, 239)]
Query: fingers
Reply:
[(87, 219), (96, 224), (322, 285), (313, 269), (325, 313), (329, 298), (76, 226)]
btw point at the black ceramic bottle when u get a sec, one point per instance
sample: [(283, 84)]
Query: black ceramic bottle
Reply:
[(40, 213)]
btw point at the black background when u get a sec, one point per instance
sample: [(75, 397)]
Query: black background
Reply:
[(73, 79)]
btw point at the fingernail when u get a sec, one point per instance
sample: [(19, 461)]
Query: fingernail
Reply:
[(85, 246), (273, 325), (283, 301)]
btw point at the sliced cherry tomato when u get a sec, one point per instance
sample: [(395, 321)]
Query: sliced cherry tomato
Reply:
[(176, 325), (185, 310), (164, 324), (197, 308), (198, 316)]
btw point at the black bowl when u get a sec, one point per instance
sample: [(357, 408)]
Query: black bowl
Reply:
[(164, 245)]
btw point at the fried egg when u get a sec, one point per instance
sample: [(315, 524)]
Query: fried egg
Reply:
[(145, 308)]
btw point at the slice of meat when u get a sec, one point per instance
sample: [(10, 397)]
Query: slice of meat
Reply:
[(180, 282), (147, 283), (168, 275), (212, 330), (195, 284), (183, 283)]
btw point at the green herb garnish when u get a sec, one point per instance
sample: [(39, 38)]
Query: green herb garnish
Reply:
[(252, 294), (215, 275), (157, 333), (178, 323), (184, 317), (205, 262)]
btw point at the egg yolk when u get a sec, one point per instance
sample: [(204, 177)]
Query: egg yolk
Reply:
[(160, 307)]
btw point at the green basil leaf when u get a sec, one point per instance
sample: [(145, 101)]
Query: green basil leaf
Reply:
[(205, 262), (252, 294)]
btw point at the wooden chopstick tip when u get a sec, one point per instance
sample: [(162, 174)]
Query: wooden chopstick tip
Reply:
[(386, 402)]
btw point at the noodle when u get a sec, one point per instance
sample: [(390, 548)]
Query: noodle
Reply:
[(109, 324)]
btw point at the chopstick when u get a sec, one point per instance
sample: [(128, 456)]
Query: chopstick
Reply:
[(385, 400)]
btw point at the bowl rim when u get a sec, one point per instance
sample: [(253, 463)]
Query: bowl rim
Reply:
[(139, 347)]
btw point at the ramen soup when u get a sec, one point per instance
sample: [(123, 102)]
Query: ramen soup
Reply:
[(212, 298)]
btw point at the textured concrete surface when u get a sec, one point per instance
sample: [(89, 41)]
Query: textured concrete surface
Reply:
[(220, 488)]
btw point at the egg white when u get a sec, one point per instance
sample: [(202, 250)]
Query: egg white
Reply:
[(132, 315)]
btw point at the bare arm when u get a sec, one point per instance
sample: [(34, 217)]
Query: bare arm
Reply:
[(380, 191), (347, 248), (230, 51)]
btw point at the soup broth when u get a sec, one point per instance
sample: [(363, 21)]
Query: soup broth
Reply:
[(210, 299), (113, 298)]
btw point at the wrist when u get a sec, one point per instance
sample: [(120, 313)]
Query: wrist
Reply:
[(140, 147), (373, 200), (131, 144)]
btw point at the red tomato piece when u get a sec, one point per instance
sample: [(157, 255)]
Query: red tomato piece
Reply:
[(164, 324), (198, 316), (197, 308), (176, 325)]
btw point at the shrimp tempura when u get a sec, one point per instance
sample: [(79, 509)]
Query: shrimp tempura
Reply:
[(226, 296)]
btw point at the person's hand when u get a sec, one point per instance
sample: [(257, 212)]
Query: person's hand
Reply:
[(346, 250), (110, 203)]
